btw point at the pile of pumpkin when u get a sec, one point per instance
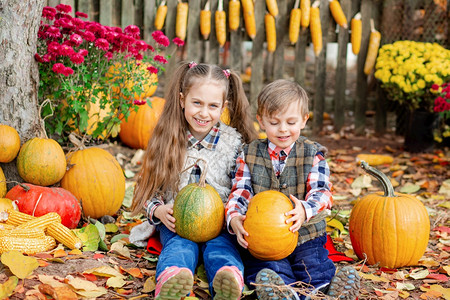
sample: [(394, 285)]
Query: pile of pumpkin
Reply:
[(92, 183)]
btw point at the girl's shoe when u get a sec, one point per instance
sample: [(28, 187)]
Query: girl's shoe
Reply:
[(345, 284), (228, 283), (266, 289), (174, 283)]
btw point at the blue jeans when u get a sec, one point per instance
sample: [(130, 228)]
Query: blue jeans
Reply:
[(218, 252), (309, 263)]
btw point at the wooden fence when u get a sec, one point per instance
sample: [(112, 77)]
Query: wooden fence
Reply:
[(269, 66)]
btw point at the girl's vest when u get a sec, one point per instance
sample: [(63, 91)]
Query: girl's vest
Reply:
[(220, 162), (291, 181)]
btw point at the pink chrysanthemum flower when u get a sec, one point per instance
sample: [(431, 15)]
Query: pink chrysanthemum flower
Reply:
[(53, 33), (89, 36), (77, 59), (141, 45), (163, 40), (78, 23), (109, 55), (66, 50), (38, 58), (138, 56), (139, 102), (64, 8), (54, 48), (156, 34), (76, 39), (177, 41), (161, 59), (83, 52), (81, 14), (58, 68), (435, 86), (132, 30), (49, 13), (102, 44), (153, 70), (67, 71)]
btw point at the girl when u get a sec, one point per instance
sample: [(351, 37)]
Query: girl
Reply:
[(188, 129)]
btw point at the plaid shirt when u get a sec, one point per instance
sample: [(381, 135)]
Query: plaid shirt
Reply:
[(208, 142), (318, 186)]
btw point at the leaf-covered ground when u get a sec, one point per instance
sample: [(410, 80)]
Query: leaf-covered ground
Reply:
[(127, 272)]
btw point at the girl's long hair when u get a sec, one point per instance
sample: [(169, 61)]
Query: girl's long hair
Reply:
[(165, 155)]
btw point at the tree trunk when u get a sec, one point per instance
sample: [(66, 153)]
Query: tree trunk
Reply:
[(19, 76)]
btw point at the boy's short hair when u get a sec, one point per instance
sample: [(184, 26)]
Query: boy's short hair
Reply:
[(277, 95)]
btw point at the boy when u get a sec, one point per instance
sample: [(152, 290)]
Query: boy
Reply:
[(295, 166)]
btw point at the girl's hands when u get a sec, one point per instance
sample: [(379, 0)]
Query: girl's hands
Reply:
[(164, 213), (298, 214), (237, 223)]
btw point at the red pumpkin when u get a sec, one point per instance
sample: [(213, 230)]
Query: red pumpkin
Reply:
[(39, 200)]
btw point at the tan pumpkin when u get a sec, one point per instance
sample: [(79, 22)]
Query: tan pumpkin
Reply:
[(2, 184), (119, 78), (390, 229), (41, 161), (269, 237), (96, 180), (136, 131), (9, 143)]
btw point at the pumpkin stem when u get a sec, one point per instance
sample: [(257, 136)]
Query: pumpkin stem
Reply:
[(202, 180), (22, 185), (43, 132), (381, 177)]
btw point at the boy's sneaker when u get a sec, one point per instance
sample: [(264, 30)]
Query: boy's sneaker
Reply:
[(228, 283), (266, 289), (345, 284), (174, 283)]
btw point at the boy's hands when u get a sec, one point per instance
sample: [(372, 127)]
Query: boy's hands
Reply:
[(298, 214), (237, 223), (164, 213)]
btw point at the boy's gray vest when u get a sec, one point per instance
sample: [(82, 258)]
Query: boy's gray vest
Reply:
[(291, 181)]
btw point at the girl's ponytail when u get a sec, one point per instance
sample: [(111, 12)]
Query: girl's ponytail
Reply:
[(239, 108)]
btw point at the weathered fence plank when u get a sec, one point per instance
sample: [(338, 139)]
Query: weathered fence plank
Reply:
[(282, 25), (193, 32)]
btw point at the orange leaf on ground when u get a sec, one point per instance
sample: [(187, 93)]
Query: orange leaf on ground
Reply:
[(124, 291), (58, 292), (90, 277), (135, 272), (440, 277), (98, 255), (42, 263), (75, 252), (59, 253)]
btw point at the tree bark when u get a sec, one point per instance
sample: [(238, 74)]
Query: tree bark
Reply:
[(19, 75)]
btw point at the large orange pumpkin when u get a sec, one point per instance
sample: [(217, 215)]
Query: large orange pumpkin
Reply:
[(2, 184), (391, 229), (9, 143), (96, 180), (120, 78), (198, 211), (136, 131), (269, 237), (41, 161)]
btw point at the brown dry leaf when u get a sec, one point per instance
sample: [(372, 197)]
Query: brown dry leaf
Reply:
[(446, 269), (51, 280), (62, 292), (104, 271), (115, 282), (403, 294), (80, 284), (428, 262), (121, 249), (20, 265), (34, 295), (445, 292), (149, 285), (7, 288), (373, 277), (135, 272)]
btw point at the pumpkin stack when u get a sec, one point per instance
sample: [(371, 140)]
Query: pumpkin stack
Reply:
[(390, 229)]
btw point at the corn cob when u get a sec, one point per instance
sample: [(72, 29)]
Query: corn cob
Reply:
[(249, 17), (4, 226), (205, 21), (305, 7), (372, 51), (221, 24), (272, 7), (181, 20), (42, 221), (16, 217), (26, 245), (160, 15), (64, 235), (271, 33), (234, 10), (316, 28), (356, 27), (23, 232), (294, 23), (338, 14)]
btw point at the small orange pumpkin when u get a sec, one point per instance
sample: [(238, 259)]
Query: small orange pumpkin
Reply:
[(96, 180), (269, 237), (391, 229), (136, 131), (41, 161), (9, 143)]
